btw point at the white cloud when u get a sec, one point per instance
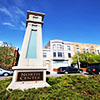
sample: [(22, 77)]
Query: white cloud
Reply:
[(23, 23), (5, 11), (23, 26), (15, 17), (19, 2), (8, 24), (20, 12)]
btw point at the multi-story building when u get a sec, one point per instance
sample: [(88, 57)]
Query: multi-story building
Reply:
[(57, 53), (84, 48), (1, 43)]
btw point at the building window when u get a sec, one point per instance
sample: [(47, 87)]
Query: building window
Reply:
[(62, 47), (44, 55), (54, 54), (69, 55), (93, 51), (77, 45), (83, 50), (59, 46), (59, 54), (98, 51), (35, 18), (77, 49), (34, 26), (91, 46), (68, 48), (87, 50), (54, 46)]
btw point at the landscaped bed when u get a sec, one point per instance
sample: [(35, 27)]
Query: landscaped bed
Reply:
[(68, 87)]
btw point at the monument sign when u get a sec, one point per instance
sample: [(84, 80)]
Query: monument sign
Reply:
[(30, 72)]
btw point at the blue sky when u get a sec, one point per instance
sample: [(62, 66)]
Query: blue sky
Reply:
[(67, 20)]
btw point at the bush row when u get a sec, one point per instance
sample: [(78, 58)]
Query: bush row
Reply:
[(68, 87)]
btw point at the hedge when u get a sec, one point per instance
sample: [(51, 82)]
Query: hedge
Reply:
[(68, 87)]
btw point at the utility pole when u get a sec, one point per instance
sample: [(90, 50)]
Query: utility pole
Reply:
[(78, 61)]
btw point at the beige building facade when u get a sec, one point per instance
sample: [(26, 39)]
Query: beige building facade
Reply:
[(85, 47)]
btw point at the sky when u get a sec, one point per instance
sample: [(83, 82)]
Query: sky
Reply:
[(67, 20)]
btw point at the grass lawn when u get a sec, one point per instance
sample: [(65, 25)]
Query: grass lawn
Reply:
[(68, 87)]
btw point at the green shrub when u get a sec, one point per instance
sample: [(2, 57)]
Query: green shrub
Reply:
[(68, 87)]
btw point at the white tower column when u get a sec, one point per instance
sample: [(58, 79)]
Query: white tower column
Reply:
[(30, 72)]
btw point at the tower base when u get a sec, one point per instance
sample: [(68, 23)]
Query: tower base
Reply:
[(27, 77), (24, 86)]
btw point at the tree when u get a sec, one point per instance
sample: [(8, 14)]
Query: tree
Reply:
[(86, 58), (7, 58)]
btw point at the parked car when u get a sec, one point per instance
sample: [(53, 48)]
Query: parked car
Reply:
[(93, 69), (61, 70), (47, 72), (69, 69), (5, 72)]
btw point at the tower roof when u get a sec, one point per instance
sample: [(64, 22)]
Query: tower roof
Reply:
[(35, 13)]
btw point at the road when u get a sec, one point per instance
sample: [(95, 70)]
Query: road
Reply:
[(54, 74), (4, 77)]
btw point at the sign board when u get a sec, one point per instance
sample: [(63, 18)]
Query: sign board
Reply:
[(30, 76)]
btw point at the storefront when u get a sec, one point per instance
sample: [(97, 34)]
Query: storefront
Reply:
[(56, 64)]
